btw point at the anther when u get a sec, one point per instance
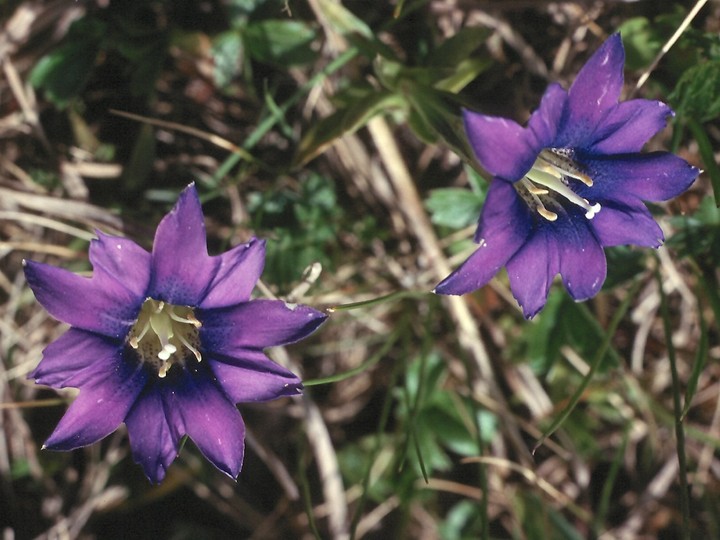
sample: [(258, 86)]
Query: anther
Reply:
[(547, 214)]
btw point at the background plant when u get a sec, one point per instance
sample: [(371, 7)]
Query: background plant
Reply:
[(333, 130)]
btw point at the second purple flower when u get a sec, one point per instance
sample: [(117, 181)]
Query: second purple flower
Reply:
[(570, 183)]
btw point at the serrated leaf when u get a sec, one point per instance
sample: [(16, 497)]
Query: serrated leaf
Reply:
[(344, 121), (280, 42), (698, 235), (696, 94)]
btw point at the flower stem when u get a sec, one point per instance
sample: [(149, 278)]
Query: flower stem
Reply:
[(374, 359), (677, 409), (379, 300), (379, 434)]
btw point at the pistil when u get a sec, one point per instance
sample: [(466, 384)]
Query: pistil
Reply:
[(164, 334)]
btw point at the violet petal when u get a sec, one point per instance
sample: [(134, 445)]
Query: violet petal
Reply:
[(532, 269), (628, 126), (251, 376), (122, 260), (595, 90), (101, 406), (98, 304), (237, 273), (198, 408), (505, 224), (506, 149), (626, 223), (583, 266), (256, 325), (154, 444), (655, 176), (182, 268), (74, 358)]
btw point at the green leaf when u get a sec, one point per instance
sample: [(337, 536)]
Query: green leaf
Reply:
[(459, 47), (454, 207), (238, 10), (280, 42), (439, 112), (465, 72), (344, 121), (564, 322), (227, 52), (457, 519), (701, 357), (303, 224), (696, 94), (62, 73), (641, 41), (343, 20), (477, 182)]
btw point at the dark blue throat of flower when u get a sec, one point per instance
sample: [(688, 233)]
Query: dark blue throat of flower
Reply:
[(165, 335), (548, 186)]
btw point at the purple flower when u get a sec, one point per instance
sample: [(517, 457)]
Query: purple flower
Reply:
[(570, 183), (166, 342)]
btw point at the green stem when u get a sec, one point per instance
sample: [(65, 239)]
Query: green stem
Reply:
[(378, 300), (710, 285), (677, 409), (307, 496), (379, 434), (374, 359), (599, 354), (708, 156)]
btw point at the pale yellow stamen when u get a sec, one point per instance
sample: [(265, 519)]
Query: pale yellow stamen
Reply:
[(174, 335), (562, 163), (534, 193), (551, 177)]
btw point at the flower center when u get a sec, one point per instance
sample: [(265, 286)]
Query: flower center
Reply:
[(163, 334), (553, 171)]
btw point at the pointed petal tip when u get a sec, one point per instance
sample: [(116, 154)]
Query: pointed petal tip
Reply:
[(529, 312), (447, 287)]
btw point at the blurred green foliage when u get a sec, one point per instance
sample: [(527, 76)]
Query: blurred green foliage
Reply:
[(302, 225)]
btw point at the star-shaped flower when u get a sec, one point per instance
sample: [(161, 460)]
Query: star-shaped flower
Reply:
[(166, 342), (570, 183)]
